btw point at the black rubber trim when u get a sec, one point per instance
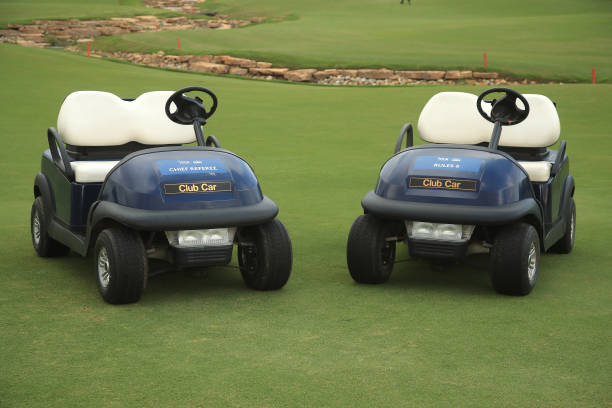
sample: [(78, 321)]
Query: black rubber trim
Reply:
[(450, 213), (436, 249), (164, 220), (44, 187)]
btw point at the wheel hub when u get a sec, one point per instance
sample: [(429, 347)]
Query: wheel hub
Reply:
[(532, 262), (36, 228), (103, 268)]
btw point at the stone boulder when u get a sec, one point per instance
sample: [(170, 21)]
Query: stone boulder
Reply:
[(299, 75), (209, 67)]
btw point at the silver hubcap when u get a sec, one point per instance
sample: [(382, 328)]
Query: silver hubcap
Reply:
[(573, 228), (532, 262), (103, 268), (36, 228)]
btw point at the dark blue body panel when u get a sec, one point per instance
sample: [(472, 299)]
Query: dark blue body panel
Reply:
[(496, 177), (71, 200), (138, 181)]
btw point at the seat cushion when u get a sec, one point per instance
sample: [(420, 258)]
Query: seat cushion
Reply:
[(93, 118), (452, 117), (538, 171), (92, 171)]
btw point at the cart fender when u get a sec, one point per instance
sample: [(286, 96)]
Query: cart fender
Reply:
[(42, 188)]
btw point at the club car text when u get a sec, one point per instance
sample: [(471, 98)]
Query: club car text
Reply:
[(443, 183), (198, 187)]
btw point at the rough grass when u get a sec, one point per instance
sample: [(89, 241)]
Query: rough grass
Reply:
[(430, 337), (550, 39)]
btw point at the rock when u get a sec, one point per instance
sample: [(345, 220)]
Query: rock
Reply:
[(348, 72), (485, 75), (299, 75), (268, 71), (261, 64), (209, 67), (326, 73), (433, 75), (238, 71), (382, 73), (458, 75), (146, 18), (239, 62), (202, 58)]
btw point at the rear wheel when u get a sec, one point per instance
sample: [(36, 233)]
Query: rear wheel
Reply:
[(369, 252), (566, 244), (120, 265), (44, 245), (265, 255), (515, 259)]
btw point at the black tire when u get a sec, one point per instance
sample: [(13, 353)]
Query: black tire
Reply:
[(566, 243), (515, 259), (44, 245), (266, 258), (369, 255), (120, 265)]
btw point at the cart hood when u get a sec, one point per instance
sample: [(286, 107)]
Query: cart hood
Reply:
[(182, 178), (453, 174)]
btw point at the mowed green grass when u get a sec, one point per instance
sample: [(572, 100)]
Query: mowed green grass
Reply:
[(549, 39), (431, 336)]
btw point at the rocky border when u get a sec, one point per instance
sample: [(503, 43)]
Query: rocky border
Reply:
[(226, 64), (45, 33), (67, 33)]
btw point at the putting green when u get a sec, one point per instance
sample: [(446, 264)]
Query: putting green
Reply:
[(550, 39), (430, 337)]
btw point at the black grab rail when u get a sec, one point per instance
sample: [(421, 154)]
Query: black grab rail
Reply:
[(406, 130)]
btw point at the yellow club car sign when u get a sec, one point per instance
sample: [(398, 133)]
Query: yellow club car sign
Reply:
[(198, 187)]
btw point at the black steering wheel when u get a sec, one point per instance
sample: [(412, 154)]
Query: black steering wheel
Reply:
[(189, 110), (504, 109)]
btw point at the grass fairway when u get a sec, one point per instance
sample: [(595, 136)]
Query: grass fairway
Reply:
[(551, 39), (430, 337)]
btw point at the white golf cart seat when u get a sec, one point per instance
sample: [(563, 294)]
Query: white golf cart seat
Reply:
[(94, 119), (452, 117)]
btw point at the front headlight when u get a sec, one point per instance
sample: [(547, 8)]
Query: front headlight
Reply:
[(201, 238), (442, 232)]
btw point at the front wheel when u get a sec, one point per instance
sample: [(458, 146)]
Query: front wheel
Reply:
[(44, 245), (265, 255), (120, 265), (515, 259), (370, 249)]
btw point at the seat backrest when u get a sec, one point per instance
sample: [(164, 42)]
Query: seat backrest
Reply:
[(93, 118), (452, 117)]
